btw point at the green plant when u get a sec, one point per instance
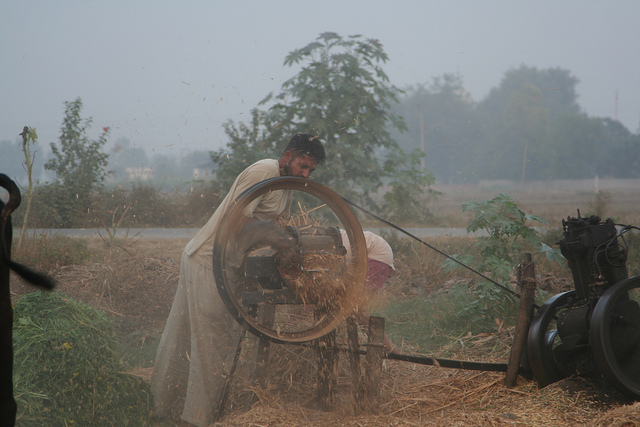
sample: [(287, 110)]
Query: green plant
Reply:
[(431, 325), (194, 207), (29, 138), (46, 253), (67, 366), (343, 95), (79, 163), (509, 233)]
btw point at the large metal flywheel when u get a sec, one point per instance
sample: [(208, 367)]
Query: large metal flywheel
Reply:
[(305, 294), (550, 358), (615, 335)]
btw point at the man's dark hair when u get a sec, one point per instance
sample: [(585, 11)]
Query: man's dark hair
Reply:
[(304, 144)]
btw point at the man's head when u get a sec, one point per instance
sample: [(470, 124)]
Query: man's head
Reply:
[(301, 155)]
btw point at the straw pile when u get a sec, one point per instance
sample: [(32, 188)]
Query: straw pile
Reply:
[(140, 288), (325, 281), (418, 395)]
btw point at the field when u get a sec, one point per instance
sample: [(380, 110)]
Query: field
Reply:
[(553, 200), (133, 282)]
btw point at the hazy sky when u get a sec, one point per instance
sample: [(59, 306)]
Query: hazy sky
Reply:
[(167, 74)]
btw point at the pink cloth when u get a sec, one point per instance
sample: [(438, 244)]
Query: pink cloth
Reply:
[(377, 273)]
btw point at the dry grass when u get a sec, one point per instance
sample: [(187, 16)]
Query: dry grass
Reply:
[(417, 395), (139, 283), (553, 200)]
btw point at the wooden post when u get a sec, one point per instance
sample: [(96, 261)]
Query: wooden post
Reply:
[(373, 364), (527, 284), (266, 316), (327, 358), (354, 361)]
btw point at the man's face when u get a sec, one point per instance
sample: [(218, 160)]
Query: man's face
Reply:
[(299, 165)]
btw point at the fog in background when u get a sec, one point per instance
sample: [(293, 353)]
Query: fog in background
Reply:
[(165, 75)]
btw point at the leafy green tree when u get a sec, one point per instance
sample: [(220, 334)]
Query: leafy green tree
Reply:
[(247, 144), (343, 95), (517, 115), (442, 120), (557, 89), (519, 148), (79, 163)]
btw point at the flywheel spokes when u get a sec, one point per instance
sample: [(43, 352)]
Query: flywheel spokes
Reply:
[(310, 299)]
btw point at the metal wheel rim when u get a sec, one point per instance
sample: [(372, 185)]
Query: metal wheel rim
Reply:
[(601, 339), (356, 239), (540, 341)]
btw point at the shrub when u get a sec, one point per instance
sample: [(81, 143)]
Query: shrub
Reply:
[(140, 206), (46, 253), (509, 234)]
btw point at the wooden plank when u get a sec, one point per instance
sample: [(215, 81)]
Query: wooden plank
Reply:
[(373, 364), (527, 283), (354, 362), (260, 358), (327, 363)]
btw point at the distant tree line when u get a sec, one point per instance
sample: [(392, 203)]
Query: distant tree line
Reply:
[(86, 192), (530, 127)]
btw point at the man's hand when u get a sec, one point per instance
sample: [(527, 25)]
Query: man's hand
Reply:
[(262, 232)]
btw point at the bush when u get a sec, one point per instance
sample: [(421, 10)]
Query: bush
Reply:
[(67, 369), (46, 253), (53, 206), (141, 206), (193, 208), (509, 236)]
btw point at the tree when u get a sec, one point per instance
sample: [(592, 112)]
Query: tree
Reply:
[(343, 95), (557, 89), (248, 144), (589, 146), (79, 163), (443, 118), (517, 116), (521, 144)]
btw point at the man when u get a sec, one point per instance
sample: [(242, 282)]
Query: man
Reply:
[(200, 337), (379, 268)]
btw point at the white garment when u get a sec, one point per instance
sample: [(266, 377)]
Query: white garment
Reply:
[(200, 337), (377, 248)]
